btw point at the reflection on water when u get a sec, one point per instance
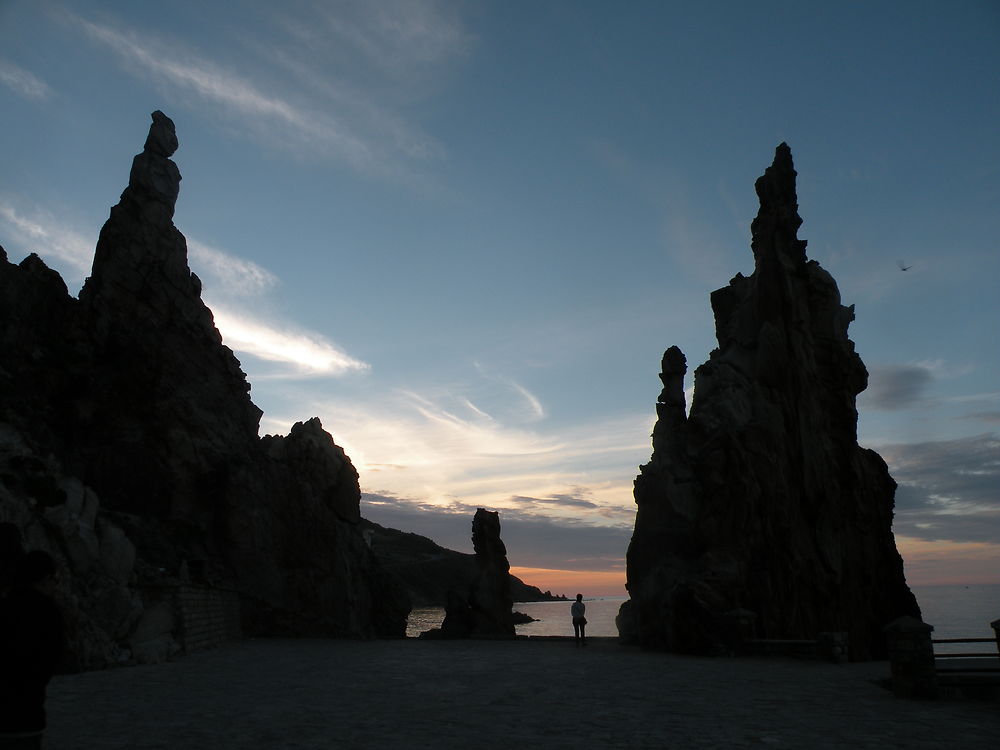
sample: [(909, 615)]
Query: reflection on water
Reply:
[(960, 612), (954, 611), (423, 618), (553, 618)]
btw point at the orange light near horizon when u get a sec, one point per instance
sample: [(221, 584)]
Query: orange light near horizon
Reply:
[(928, 563), (573, 582), (932, 563)]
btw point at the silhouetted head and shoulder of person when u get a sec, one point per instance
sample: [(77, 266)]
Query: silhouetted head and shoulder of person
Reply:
[(31, 645), (29, 610)]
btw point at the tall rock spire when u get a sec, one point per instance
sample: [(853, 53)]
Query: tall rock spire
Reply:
[(168, 374), (140, 265), (761, 499)]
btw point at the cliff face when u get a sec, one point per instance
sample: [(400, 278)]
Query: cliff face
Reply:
[(761, 498), (128, 397)]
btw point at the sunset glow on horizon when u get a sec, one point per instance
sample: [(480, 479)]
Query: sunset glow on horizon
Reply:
[(571, 582)]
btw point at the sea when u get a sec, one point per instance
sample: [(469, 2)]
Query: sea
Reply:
[(955, 611)]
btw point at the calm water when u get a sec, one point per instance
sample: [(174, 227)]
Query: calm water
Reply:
[(960, 612), (954, 611)]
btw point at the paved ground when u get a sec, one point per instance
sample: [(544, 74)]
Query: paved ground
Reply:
[(489, 694)]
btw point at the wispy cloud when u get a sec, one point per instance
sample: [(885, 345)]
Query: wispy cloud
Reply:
[(986, 405), (532, 540), (947, 489), (431, 446), (402, 39), (696, 248), (894, 387), (229, 280), (23, 82), (308, 354), (693, 240), (234, 94), (532, 409), (985, 416), (35, 230), (537, 410), (234, 275), (230, 283), (304, 93)]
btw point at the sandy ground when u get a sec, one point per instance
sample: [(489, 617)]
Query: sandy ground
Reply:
[(489, 694)]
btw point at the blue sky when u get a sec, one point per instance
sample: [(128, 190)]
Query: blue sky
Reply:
[(462, 234)]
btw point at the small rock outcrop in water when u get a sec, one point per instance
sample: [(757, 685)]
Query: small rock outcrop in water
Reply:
[(761, 498), (485, 610), (129, 448)]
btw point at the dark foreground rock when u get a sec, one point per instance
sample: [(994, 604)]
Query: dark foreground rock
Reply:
[(129, 448), (761, 499)]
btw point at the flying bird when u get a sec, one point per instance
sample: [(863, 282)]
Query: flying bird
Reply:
[(903, 267)]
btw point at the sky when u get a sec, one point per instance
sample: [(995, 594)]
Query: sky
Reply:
[(463, 233)]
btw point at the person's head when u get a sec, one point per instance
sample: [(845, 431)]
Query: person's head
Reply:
[(579, 597), (37, 569)]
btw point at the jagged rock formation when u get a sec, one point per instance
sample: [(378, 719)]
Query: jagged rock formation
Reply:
[(129, 445), (490, 595), (429, 571), (172, 404), (484, 610), (761, 498)]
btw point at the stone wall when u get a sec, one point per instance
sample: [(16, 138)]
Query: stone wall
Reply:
[(184, 617), (208, 616)]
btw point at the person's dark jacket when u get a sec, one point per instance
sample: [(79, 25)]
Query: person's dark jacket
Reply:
[(31, 650)]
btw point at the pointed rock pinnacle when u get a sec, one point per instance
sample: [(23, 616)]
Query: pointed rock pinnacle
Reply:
[(774, 230)]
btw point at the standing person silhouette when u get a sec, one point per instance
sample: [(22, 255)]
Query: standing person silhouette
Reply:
[(578, 609), (31, 648)]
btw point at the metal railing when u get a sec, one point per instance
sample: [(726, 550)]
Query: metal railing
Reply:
[(968, 655)]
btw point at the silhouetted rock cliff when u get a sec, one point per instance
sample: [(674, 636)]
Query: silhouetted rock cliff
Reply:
[(129, 447), (761, 498), (428, 571)]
